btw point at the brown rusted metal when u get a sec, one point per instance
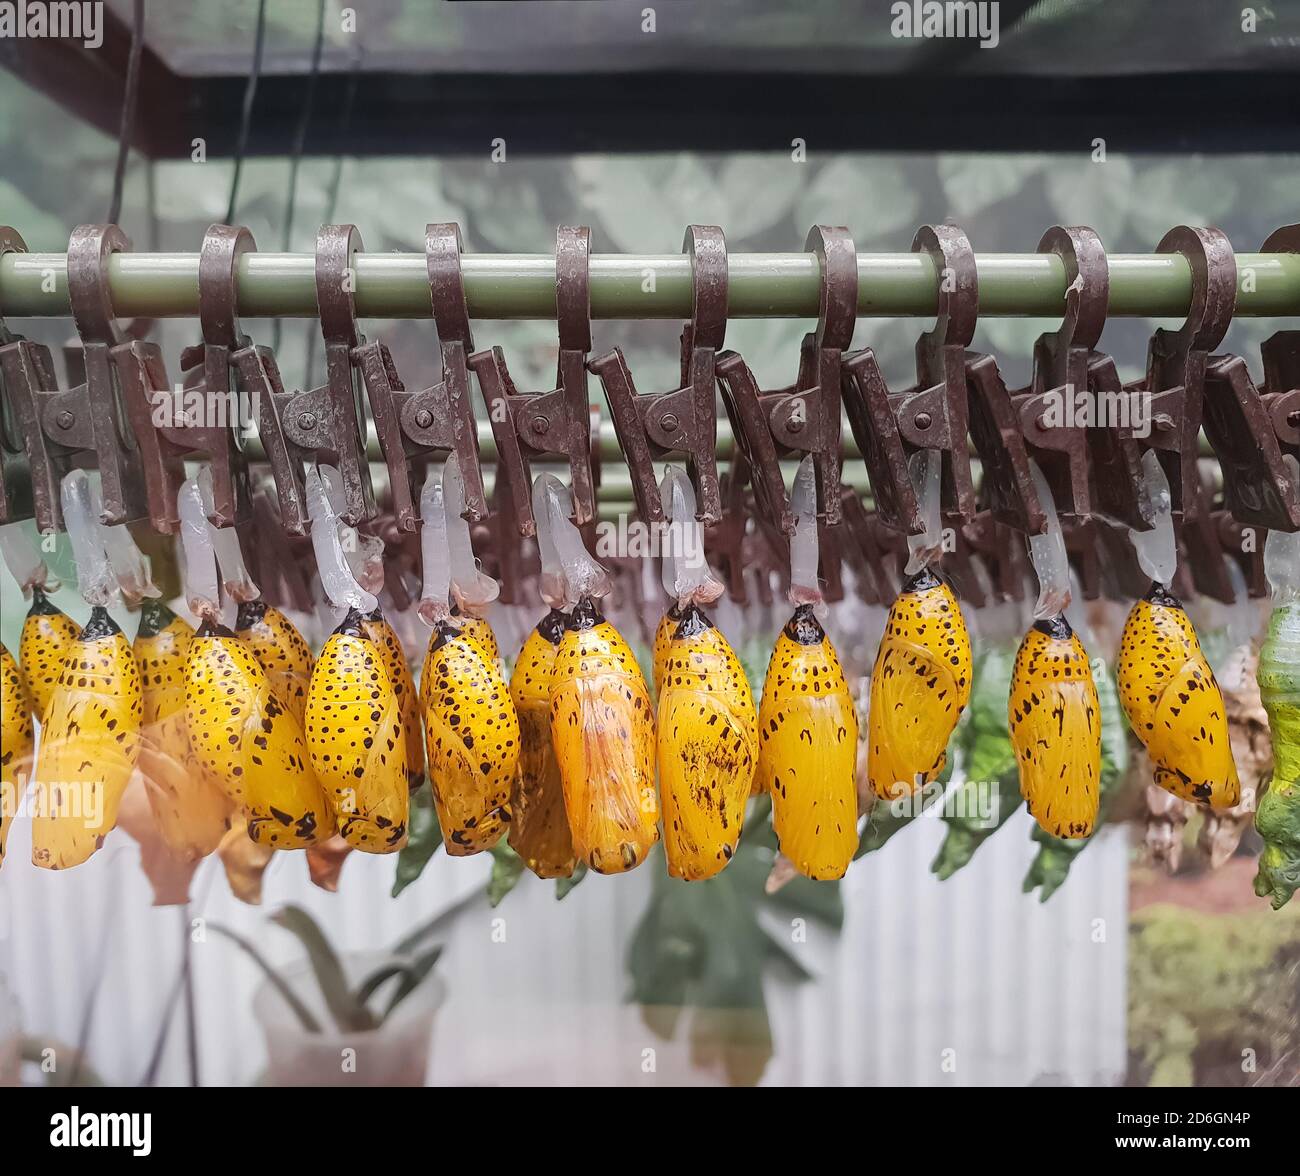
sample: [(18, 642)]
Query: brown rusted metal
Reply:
[(530, 427), (415, 427), (1054, 408), (804, 418), (1240, 424), (328, 423), (208, 413), (22, 355), (61, 430), (651, 427), (1176, 360)]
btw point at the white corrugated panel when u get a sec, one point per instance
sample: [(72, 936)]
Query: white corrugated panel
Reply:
[(960, 983)]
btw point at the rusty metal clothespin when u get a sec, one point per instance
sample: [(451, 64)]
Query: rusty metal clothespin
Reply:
[(1054, 407), (415, 426), (205, 416), (27, 360), (1177, 360), (684, 421), (1281, 352), (81, 427), (804, 418), (933, 414), (550, 424), (328, 423), (1249, 427)]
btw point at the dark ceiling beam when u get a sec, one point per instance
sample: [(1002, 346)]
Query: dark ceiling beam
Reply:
[(89, 83)]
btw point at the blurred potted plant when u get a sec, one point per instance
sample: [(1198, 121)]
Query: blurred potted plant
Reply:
[(356, 1019)]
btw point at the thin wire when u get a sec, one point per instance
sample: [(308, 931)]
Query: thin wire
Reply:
[(336, 181), (300, 142), (246, 115), (128, 110)]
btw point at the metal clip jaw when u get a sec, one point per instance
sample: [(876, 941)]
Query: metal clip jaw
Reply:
[(1177, 360), (933, 414), (549, 424), (170, 426), (81, 427), (655, 426), (806, 417), (414, 426), (328, 423), (1250, 428), (1053, 409), (28, 361)]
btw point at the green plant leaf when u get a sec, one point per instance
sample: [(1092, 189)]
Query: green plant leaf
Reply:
[(423, 837), (563, 886), (507, 869), (974, 182), (281, 985), (327, 968), (418, 970), (381, 975)]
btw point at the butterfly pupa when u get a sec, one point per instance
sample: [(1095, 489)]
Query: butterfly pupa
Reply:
[(539, 826), (189, 806), (919, 687), (1174, 704), (90, 739), (1277, 820), (708, 748), (807, 751), (378, 629), (252, 742), (42, 647), (663, 639), (15, 742), (477, 628), (471, 740), (354, 736), (603, 729), (280, 651), (1055, 720)]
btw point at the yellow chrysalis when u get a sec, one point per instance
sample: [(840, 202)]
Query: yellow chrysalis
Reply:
[(708, 747), (90, 738), (602, 727), (808, 739), (354, 736)]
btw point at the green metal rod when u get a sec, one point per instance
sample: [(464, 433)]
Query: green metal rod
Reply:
[(522, 286)]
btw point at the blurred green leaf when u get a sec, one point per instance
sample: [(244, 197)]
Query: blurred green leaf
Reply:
[(972, 183), (507, 869), (760, 191), (1099, 195), (869, 194), (503, 208), (419, 968), (327, 968), (422, 840), (40, 229), (563, 886), (1184, 191), (280, 984)]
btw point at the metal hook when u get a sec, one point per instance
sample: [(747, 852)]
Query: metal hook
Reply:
[(328, 422), (933, 414), (1248, 428), (558, 423), (1176, 360), (21, 355), (655, 426), (61, 428), (806, 417), (1053, 408)]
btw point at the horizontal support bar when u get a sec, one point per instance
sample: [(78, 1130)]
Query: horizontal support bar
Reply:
[(651, 286)]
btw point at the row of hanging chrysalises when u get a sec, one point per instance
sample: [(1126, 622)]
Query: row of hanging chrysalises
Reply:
[(571, 757)]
